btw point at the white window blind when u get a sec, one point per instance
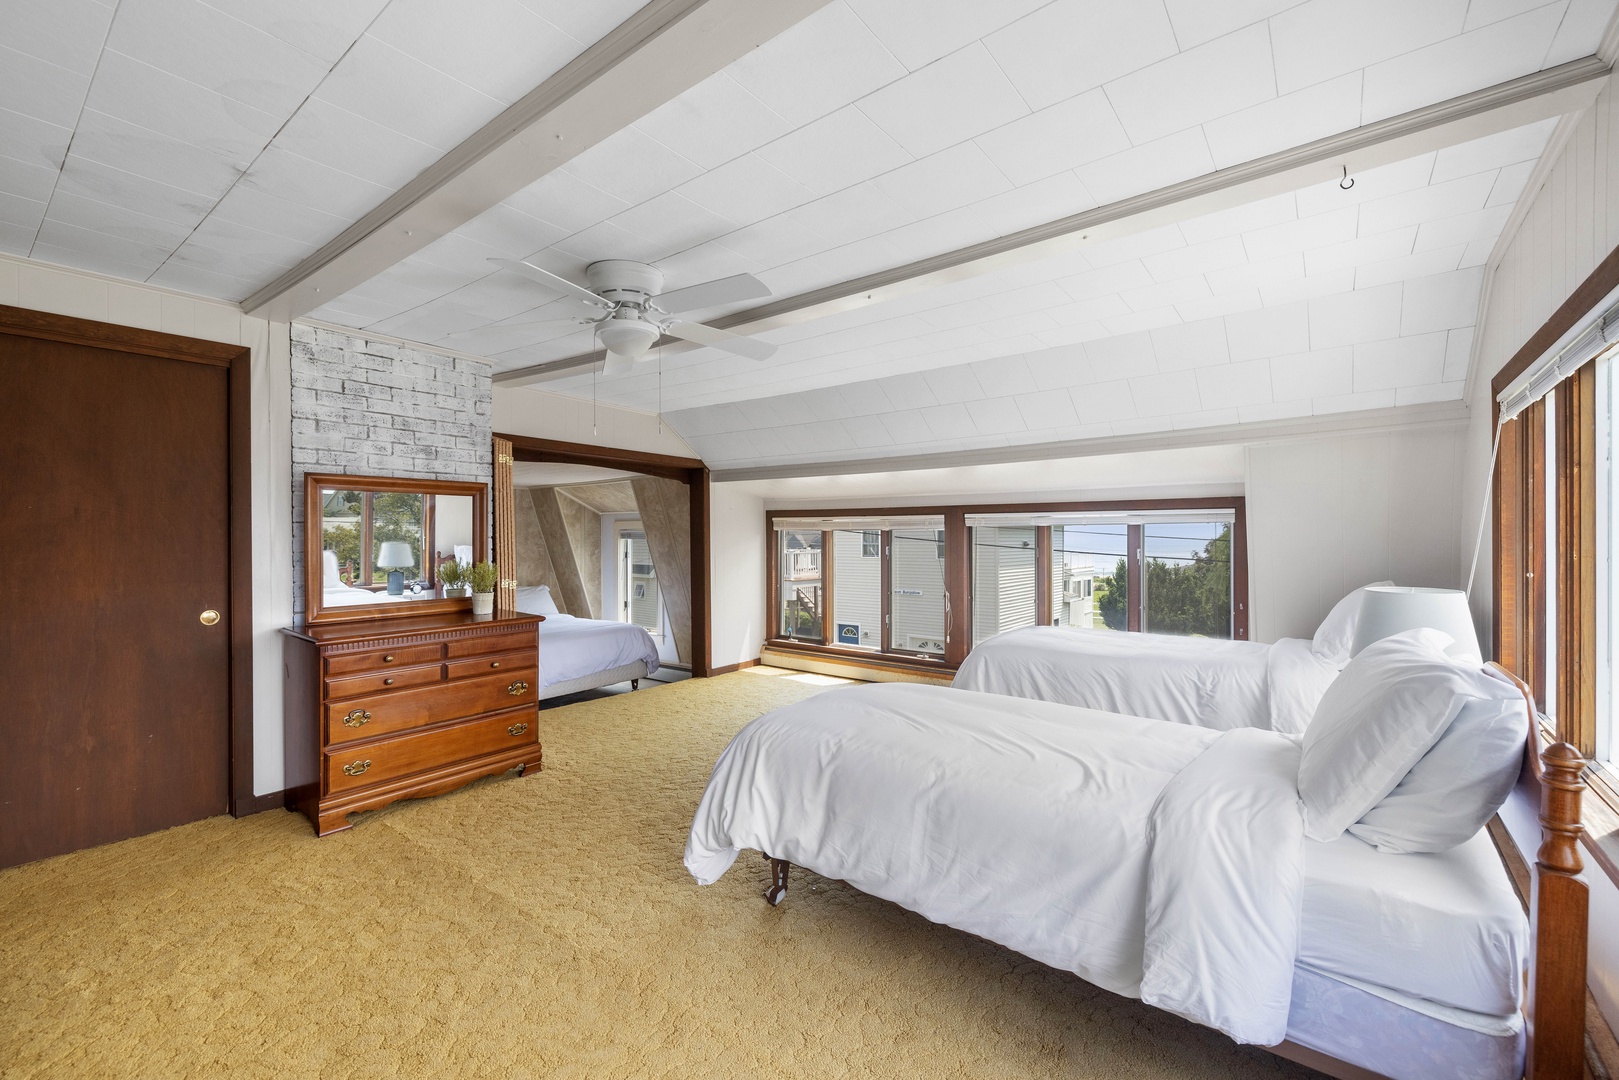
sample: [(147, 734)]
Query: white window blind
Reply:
[(1591, 338), (1107, 517), (859, 524)]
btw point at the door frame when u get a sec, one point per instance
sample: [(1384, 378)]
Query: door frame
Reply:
[(236, 360), (689, 471)]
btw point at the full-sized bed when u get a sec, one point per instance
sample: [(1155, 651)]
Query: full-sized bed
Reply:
[(1200, 681), (582, 654), (1196, 869)]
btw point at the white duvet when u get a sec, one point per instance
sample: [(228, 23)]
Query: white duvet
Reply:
[(1199, 681), (1155, 860), (571, 648)]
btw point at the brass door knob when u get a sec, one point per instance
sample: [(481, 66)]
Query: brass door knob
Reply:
[(209, 617), (517, 729)]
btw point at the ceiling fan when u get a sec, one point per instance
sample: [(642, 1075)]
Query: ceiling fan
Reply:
[(629, 312)]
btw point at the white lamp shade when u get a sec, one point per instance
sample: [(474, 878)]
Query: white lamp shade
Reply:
[(1387, 610), (394, 555)]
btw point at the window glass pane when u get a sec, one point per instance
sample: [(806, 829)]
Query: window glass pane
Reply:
[(341, 521), (917, 579), (1092, 562), (643, 604), (1073, 582), (857, 589), (1004, 568), (396, 519), (799, 586), (1188, 570)]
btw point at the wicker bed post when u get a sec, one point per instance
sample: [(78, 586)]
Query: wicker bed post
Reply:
[(1558, 922)]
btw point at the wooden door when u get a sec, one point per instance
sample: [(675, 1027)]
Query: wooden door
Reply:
[(115, 508)]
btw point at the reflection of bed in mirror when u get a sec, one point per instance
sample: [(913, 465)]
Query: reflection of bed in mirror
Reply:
[(383, 542)]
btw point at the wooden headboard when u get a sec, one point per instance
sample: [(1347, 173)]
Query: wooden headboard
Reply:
[(1559, 905)]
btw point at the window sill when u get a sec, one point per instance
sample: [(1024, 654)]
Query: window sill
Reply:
[(862, 657)]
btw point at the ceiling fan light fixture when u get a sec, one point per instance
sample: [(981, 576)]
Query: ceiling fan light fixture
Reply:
[(627, 336)]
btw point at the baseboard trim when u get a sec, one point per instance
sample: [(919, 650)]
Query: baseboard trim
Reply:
[(728, 668), (247, 805)]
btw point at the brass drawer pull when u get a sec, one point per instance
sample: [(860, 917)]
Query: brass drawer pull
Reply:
[(494, 663), (387, 682), (357, 767), (357, 718), (517, 729), (517, 688), (388, 659)]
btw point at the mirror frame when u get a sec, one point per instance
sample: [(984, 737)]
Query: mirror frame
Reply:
[(314, 612)]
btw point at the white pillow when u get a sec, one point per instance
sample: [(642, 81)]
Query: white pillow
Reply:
[(1455, 788), (536, 600), (1337, 631), (1384, 711)]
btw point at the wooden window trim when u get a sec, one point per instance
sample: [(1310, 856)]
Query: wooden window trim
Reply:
[(958, 568)]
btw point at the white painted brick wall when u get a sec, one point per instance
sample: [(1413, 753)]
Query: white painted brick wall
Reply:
[(377, 409)]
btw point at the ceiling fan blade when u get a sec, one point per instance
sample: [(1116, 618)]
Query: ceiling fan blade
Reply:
[(752, 348), (618, 364), (725, 290), (552, 281), (559, 324)]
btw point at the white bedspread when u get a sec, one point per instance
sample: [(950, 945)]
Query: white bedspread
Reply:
[(571, 648), (1204, 682), (1078, 838)]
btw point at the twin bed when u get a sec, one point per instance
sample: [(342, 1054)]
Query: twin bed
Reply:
[(1224, 871)]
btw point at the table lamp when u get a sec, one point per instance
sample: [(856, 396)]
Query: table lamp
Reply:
[(1387, 610), (393, 556)]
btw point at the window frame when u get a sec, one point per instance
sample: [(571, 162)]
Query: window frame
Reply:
[(958, 573)]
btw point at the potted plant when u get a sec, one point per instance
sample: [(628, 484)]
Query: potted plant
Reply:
[(454, 577), (483, 577)]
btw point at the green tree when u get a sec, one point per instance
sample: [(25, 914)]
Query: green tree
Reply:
[(1112, 593), (1192, 597)]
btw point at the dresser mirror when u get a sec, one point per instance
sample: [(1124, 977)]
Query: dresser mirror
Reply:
[(378, 546)]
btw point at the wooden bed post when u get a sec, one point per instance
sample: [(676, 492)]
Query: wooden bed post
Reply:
[(1559, 906), (1558, 921)]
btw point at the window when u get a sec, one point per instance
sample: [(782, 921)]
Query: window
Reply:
[(901, 587), (355, 525), (799, 585), (1005, 565)]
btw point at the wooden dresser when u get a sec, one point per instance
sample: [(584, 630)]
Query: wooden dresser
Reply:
[(398, 708)]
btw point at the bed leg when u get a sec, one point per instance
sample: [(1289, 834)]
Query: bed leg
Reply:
[(635, 684), (778, 880)]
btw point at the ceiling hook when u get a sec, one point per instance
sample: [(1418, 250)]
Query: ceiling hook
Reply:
[(1346, 183)]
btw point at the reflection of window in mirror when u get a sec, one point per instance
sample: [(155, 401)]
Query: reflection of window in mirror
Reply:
[(393, 529)]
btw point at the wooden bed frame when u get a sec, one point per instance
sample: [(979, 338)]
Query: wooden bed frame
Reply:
[(1554, 1009)]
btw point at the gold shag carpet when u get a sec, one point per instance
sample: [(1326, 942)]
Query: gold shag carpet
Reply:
[(538, 926)]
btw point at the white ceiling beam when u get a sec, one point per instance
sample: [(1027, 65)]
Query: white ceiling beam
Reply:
[(1555, 92), (658, 53), (1447, 414)]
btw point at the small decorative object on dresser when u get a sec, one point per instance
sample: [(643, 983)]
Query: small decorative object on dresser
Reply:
[(484, 576), (396, 697)]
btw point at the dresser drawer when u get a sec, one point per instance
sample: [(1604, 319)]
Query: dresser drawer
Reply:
[(492, 643), (383, 681), (390, 759), (381, 659), (397, 710), (486, 665)]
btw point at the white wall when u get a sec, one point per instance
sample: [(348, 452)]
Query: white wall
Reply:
[(1570, 224), (737, 574), (1328, 515), (524, 410), (84, 295)]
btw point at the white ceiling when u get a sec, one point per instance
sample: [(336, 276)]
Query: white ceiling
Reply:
[(211, 146)]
